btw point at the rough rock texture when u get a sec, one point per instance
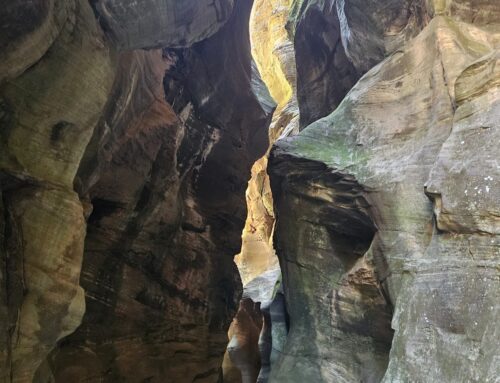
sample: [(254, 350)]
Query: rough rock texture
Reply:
[(243, 347), (274, 57), (387, 213), (24, 40), (122, 191), (275, 325), (162, 286), (131, 153), (47, 117), (43, 302), (159, 23), (257, 332), (337, 41)]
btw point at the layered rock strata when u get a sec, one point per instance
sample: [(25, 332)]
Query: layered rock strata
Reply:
[(158, 23), (51, 99), (128, 155), (387, 215), (274, 56), (127, 134)]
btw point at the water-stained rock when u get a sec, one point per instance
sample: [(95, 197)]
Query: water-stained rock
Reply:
[(47, 117), (127, 134), (165, 174), (357, 233), (159, 170)]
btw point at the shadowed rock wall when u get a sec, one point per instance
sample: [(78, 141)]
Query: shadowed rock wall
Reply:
[(122, 174)]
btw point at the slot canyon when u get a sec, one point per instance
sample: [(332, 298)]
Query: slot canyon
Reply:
[(243, 191)]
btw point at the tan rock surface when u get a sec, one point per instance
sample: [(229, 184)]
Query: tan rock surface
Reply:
[(127, 135), (165, 173), (160, 174), (48, 115), (273, 53)]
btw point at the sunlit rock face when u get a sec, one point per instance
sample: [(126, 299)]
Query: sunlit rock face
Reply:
[(273, 52), (128, 132), (123, 187), (478, 12), (387, 224), (274, 56)]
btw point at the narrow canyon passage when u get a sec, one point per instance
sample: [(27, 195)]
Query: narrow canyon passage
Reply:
[(242, 191)]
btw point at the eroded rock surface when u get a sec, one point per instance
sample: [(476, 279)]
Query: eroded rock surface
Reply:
[(48, 114), (129, 155), (128, 131), (387, 216), (274, 56), (337, 41), (170, 234), (273, 52), (159, 23)]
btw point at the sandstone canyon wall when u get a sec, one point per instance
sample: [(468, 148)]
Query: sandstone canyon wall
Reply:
[(122, 184), (387, 203), (370, 251)]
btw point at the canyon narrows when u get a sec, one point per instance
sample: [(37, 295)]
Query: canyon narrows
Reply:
[(238, 191)]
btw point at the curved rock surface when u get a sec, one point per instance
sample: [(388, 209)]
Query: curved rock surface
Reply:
[(46, 122), (128, 155), (387, 217), (337, 41), (273, 52), (167, 213), (158, 23), (129, 130), (274, 57)]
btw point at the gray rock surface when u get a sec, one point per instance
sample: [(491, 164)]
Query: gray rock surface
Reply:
[(158, 23), (337, 41), (387, 217)]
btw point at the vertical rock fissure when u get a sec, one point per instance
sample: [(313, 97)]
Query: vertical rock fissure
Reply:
[(257, 335)]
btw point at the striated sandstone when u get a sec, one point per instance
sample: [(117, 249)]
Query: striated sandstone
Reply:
[(336, 42), (128, 131), (274, 56), (159, 172), (159, 23), (273, 53), (165, 173), (47, 117), (384, 222)]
